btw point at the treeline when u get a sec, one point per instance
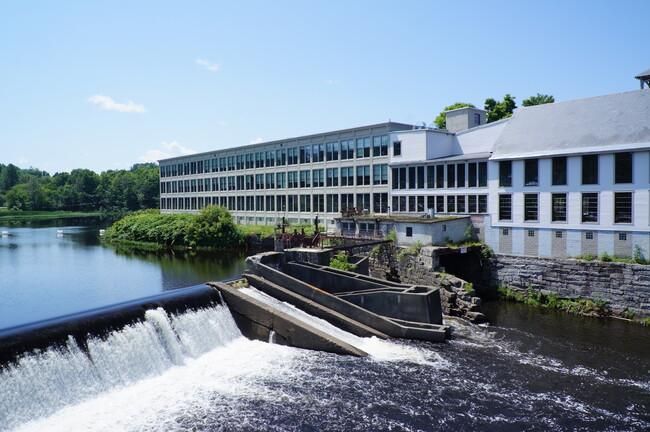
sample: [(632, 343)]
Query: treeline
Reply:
[(212, 227), (79, 190)]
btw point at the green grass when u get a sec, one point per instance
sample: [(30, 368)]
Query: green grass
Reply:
[(24, 216), (551, 301)]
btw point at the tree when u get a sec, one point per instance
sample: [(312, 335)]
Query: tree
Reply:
[(441, 120), (499, 110), (539, 99), (9, 177)]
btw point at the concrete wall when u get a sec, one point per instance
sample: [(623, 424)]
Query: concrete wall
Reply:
[(624, 286), (432, 233)]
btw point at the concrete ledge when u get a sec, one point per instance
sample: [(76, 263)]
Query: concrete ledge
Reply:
[(313, 308), (256, 320)]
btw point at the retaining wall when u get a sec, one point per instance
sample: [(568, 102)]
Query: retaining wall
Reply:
[(625, 287)]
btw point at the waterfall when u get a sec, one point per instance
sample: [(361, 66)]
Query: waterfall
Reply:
[(41, 383)]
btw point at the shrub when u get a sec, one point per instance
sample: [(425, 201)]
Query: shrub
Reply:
[(469, 287), (340, 261), (392, 236), (638, 256), (605, 257)]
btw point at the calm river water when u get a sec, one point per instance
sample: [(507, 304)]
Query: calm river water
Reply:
[(525, 371)]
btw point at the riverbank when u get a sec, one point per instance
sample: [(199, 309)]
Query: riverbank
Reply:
[(20, 216)]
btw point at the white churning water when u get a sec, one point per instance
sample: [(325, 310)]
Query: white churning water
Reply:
[(42, 383)]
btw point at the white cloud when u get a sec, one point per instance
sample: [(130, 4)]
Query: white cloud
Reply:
[(331, 81), (208, 64), (169, 149), (23, 160), (223, 123), (257, 141), (108, 103)]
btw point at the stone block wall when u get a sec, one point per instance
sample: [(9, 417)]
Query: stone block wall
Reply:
[(625, 287), (386, 262)]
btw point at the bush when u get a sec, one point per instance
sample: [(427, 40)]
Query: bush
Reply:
[(605, 257), (340, 261), (212, 227)]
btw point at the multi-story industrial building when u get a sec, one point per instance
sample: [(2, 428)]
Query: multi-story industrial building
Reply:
[(561, 179), (298, 178)]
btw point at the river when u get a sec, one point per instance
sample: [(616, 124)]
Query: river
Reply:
[(525, 370)]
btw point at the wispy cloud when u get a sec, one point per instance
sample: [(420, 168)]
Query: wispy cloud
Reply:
[(211, 66), (331, 81), (257, 141), (168, 149), (108, 103), (223, 123)]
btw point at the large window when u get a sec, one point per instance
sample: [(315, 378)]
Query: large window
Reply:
[(305, 154), (531, 206), (558, 207), (332, 177), (623, 168), (623, 207), (347, 176), (531, 172), (380, 145), (471, 175), (332, 151), (347, 149), (318, 153), (505, 207), (590, 207), (440, 176), (397, 148), (460, 175), (451, 175), (482, 174), (590, 169), (558, 177), (292, 155), (363, 175), (380, 174), (363, 147), (505, 173), (332, 202)]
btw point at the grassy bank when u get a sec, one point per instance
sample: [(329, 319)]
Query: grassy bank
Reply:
[(585, 307), (28, 216)]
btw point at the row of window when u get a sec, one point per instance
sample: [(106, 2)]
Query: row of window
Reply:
[(441, 203), (589, 207), (623, 163), (473, 174), (588, 235), (331, 151), (330, 177), (316, 203)]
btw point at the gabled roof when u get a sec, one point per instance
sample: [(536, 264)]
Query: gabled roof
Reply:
[(604, 123)]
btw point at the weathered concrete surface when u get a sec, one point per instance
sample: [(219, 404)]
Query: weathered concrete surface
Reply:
[(431, 332), (625, 287), (311, 307), (400, 301), (256, 320)]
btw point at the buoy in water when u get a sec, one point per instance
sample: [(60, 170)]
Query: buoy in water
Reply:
[(101, 232), (5, 233)]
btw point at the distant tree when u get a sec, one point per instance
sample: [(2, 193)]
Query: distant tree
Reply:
[(539, 99), (441, 120), (499, 110), (9, 177)]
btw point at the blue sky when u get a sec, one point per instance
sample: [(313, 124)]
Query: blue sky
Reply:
[(106, 84)]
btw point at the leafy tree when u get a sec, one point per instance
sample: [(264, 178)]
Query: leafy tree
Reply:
[(441, 120), (214, 227), (8, 177), (499, 110), (539, 99)]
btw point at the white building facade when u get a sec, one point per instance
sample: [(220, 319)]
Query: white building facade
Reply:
[(299, 178), (555, 180)]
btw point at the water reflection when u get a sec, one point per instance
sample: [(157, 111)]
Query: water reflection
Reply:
[(57, 269)]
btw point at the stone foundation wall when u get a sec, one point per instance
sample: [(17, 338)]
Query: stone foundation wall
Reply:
[(625, 287), (386, 262)]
